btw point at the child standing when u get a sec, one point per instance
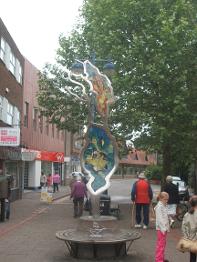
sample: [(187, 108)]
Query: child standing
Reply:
[(162, 226)]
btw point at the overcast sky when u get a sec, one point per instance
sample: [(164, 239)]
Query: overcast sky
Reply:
[(35, 25)]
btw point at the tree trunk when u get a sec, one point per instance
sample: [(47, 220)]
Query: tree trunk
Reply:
[(195, 177), (167, 162)]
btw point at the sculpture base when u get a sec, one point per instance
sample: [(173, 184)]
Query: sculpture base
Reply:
[(98, 238)]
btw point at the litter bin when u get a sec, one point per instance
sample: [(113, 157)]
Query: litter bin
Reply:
[(105, 202)]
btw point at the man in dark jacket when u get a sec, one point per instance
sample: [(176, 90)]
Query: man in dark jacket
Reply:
[(173, 193), (141, 195)]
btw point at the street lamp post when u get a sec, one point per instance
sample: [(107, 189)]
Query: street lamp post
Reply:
[(108, 67)]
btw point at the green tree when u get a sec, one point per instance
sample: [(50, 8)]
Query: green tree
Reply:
[(154, 46)]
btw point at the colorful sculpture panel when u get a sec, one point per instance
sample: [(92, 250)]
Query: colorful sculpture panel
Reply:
[(99, 158)]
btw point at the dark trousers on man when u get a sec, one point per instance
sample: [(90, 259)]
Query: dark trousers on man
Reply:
[(78, 206), (55, 187), (145, 208), (192, 257), (7, 209), (2, 217)]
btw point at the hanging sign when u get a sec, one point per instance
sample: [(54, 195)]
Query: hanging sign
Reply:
[(9, 136)]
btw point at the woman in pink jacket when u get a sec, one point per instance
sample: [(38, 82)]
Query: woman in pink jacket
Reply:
[(56, 182)]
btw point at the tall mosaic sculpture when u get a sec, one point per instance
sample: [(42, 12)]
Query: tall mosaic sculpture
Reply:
[(99, 158)]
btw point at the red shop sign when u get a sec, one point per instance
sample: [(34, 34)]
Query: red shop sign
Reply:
[(50, 156)]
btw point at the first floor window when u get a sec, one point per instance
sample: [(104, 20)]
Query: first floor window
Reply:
[(1, 107), (26, 114), (10, 114)]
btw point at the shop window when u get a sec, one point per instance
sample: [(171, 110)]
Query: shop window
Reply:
[(2, 50), (11, 168)]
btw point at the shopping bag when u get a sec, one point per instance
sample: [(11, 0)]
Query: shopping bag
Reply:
[(46, 195), (87, 205), (187, 245)]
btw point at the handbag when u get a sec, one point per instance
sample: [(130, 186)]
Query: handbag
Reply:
[(187, 245)]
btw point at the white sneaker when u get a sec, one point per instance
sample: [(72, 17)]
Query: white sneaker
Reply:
[(138, 226), (145, 227)]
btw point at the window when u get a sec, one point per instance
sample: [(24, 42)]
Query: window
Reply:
[(62, 135), (12, 169), (58, 133), (12, 63), (26, 114), (1, 107), (35, 118), (47, 126), (53, 130), (10, 114), (18, 118), (19, 75), (41, 118), (2, 50)]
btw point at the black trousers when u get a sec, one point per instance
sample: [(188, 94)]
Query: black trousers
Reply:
[(78, 206), (2, 217), (138, 217), (192, 257), (55, 187)]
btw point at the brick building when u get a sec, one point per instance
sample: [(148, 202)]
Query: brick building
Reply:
[(42, 143), (135, 162)]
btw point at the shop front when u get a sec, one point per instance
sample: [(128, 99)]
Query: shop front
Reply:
[(11, 164), (41, 161)]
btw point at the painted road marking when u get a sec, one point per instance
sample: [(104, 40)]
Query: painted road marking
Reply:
[(35, 213)]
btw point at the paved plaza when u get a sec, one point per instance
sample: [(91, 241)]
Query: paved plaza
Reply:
[(29, 235)]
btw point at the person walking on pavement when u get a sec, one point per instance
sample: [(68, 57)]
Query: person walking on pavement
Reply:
[(43, 180), (141, 195), (49, 180), (189, 226), (56, 182), (173, 193), (78, 193), (162, 226), (8, 199)]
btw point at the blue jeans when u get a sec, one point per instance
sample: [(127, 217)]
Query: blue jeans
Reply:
[(145, 208)]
